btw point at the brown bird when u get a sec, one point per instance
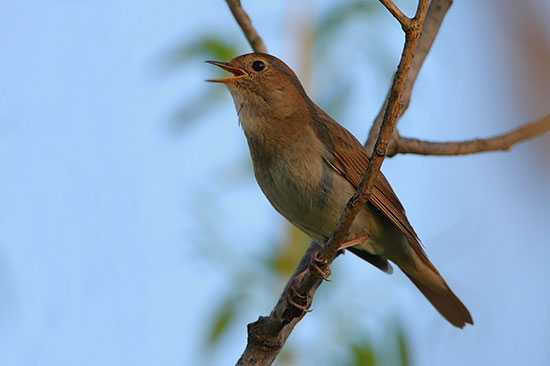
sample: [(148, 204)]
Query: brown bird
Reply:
[(309, 166)]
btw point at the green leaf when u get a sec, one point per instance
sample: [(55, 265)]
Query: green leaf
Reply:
[(220, 49), (223, 318), (363, 354), (403, 347), (283, 262), (340, 15), (205, 47)]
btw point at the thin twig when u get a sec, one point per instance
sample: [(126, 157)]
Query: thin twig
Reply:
[(240, 15), (361, 197), (405, 145), (436, 13), (404, 20), (267, 336)]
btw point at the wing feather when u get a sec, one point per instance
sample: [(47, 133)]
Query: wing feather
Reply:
[(349, 158)]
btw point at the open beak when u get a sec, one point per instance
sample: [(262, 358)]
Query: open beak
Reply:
[(236, 71)]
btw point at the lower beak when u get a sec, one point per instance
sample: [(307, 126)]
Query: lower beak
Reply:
[(236, 71)]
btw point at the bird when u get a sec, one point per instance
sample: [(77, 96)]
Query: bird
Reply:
[(308, 166)]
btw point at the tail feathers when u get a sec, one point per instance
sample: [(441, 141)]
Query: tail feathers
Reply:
[(436, 290), (376, 260)]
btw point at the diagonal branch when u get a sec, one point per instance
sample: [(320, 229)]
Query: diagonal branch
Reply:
[(404, 20), (405, 145), (267, 336), (240, 15), (436, 13), (391, 115)]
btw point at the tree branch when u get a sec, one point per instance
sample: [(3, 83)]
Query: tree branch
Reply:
[(254, 39), (267, 335), (436, 13), (404, 20), (391, 115), (405, 145)]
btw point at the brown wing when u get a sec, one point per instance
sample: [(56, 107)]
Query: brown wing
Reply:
[(350, 159)]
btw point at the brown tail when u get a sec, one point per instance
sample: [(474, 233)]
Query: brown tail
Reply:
[(436, 290)]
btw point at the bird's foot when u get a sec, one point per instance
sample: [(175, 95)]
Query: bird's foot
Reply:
[(320, 265), (298, 300)]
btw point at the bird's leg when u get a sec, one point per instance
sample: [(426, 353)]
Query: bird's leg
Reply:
[(353, 242), (319, 264), (295, 299)]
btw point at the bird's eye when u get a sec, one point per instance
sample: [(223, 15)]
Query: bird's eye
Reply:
[(258, 65)]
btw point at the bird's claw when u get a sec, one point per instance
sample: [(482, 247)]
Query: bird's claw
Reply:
[(317, 263), (293, 293)]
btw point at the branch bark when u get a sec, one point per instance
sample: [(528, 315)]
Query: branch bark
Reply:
[(391, 115), (405, 145), (503, 142), (241, 16), (397, 13), (267, 335), (436, 13)]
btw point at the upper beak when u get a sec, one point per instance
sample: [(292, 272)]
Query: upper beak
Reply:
[(236, 71)]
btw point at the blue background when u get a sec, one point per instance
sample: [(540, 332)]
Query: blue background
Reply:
[(101, 203)]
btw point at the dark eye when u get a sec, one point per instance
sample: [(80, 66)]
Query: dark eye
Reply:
[(258, 65)]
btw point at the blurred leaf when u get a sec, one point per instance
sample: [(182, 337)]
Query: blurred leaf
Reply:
[(196, 108), (284, 261), (363, 354), (224, 316), (340, 15), (403, 347), (287, 357), (205, 47)]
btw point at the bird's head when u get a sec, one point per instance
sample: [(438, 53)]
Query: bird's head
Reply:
[(262, 84)]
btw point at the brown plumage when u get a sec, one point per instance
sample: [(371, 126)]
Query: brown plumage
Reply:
[(308, 166)]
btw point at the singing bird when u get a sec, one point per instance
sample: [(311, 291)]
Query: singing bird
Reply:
[(308, 166)]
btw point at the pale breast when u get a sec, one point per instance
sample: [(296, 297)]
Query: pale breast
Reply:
[(301, 186), (289, 168)]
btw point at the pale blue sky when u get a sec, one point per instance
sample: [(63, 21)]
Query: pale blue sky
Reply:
[(99, 219)]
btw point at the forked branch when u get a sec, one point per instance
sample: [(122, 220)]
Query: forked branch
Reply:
[(404, 20), (267, 335), (391, 115), (436, 13)]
